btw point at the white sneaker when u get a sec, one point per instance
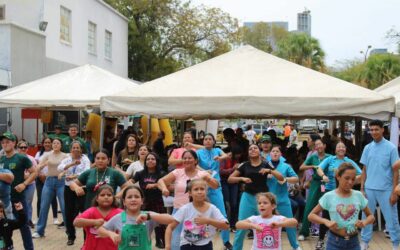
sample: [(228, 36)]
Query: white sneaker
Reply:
[(55, 221), (36, 235), (301, 238), (298, 248), (363, 245)]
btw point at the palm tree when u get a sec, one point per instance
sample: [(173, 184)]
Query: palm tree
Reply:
[(302, 49)]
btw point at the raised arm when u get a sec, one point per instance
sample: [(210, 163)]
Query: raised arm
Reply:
[(164, 182)]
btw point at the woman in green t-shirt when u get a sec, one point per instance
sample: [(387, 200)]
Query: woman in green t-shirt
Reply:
[(97, 176)]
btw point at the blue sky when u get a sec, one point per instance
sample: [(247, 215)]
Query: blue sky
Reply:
[(343, 27)]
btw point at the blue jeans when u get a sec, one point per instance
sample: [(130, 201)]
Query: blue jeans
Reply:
[(389, 213), (247, 208), (338, 243), (52, 187), (176, 234), (230, 192), (24, 229), (29, 192)]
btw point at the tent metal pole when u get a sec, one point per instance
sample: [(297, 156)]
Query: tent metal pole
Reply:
[(102, 130)]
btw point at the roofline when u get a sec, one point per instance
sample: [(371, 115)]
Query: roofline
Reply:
[(113, 10), (11, 23)]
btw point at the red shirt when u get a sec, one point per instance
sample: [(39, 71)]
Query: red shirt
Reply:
[(92, 242)]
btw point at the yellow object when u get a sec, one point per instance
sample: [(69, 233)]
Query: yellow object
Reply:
[(166, 128), (93, 124), (155, 129), (144, 122), (46, 116)]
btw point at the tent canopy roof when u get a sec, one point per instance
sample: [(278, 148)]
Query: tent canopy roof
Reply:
[(248, 82), (80, 87), (392, 88)]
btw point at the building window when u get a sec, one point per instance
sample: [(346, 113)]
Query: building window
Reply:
[(2, 12), (108, 45), (65, 25), (92, 38)]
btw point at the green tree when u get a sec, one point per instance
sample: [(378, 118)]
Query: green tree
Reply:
[(377, 70), (302, 49), (262, 36), (381, 68), (167, 35)]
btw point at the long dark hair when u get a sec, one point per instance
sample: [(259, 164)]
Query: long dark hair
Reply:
[(158, 166), (41, 152), (101, 188)]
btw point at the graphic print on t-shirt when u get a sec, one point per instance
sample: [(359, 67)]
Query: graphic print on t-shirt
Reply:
[(346, 211), (269, 237), (194, 232)]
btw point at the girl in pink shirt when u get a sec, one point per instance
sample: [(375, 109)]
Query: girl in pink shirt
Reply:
[(104, 208)]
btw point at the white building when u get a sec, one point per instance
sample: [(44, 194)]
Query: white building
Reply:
[(304, 22), (44, 37)]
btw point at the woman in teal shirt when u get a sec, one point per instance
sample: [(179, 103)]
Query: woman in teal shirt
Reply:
[(280, 189)]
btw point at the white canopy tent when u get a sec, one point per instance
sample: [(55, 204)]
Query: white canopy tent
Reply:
[(77, 88), (250, 83), (392, 88)]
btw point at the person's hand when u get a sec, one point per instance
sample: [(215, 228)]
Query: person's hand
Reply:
[(236, 166), (325, 179), (141, 218), (265, 171), (116, 238), (126, 161), (332, 225), (60, 175), (218, 158), (98, 223), (393, 198), (79, 191), (201, 220), (246, 180), (188, 145), (20, 187), (276, 224), (69, 178), (165, 192), (151, 186), (257, 227), (77, 162), (282, 182), (207, 178), (360, 224), (18, 206)]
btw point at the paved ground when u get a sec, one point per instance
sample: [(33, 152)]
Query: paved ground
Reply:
[(57, 239)]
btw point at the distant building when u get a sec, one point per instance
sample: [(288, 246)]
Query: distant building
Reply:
[(378, 51), (304, 22), (43, 37)]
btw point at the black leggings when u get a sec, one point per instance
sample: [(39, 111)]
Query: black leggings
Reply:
[(209, 246), (322, 228)]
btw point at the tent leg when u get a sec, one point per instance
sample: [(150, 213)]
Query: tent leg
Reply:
[(358, 136), (37, 131), (394, 131), (102, 123)]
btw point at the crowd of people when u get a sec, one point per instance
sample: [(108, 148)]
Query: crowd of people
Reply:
[(186, 194)]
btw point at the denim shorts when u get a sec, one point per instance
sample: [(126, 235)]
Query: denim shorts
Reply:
[(335, 242)]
